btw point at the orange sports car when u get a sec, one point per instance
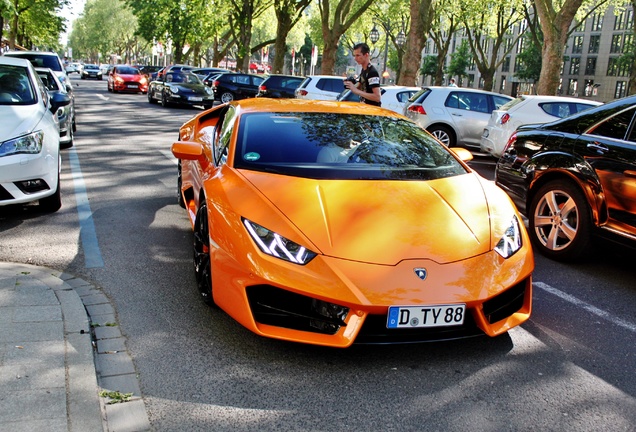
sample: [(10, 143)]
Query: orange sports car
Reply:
[(332, 223)]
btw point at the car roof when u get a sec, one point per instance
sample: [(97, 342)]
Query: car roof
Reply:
[(14, 53), (551, 98), (256, 105), (15, 61)]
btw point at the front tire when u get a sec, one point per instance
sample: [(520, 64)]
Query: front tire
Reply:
[(164, 101), (561, 221), (52, 203), (202, 262), (150, 98), (443, 134), (180, 199)]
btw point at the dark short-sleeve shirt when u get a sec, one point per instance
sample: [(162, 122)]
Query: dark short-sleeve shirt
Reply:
[(369, 79)]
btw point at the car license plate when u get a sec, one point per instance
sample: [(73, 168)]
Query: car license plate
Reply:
[(425, 316), (196, 99), (131, 86)]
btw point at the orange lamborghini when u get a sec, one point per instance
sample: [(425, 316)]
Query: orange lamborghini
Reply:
[(334, 223)]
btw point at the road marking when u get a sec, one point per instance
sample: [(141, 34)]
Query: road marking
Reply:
[(92, 254), (588, 307), (102, 97)]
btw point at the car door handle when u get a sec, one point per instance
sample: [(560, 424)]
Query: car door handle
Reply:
[(599, 148), (458, 115)]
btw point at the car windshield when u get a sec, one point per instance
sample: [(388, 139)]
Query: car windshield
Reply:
[(127, 71), (341, 146), (91, 66), (15, 86), (41, 60), (183, 77)]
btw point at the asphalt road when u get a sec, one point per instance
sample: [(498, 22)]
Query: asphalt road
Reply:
[(570, 368)]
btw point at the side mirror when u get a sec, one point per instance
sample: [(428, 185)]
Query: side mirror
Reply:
[(462, 153), (69, 88), (59, 100)]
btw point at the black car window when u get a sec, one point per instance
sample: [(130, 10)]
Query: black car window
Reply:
[(499, 101), (615, 127), (242, 79), (257, 80), (462, 101), (48, 81), (42, 60), (330, 84), (341, 146), (557, 109)]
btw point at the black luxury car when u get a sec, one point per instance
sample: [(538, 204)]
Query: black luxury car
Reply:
[(575, 179), (230, 86), (180, 88), (280, 86)]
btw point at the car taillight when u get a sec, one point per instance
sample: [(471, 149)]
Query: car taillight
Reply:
[(262, 88), (302, 92), (419, 109), (216, 83), (511, 142), (505, 118)]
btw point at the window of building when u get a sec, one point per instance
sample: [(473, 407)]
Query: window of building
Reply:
[(619, 21), (590, 66), (612, 66), (597, 22), (481, 82), (575, 65), (628, 43), (521, 43), (581, 27), (471, 80), (577, 45), (517, 64), (573, 86), (629, 20), (589, 87), (623, 68), (615, 47), (595, 42), (502, 87), (505, 66)]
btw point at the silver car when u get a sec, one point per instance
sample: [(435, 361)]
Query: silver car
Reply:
[(454, 115), (65, 114)]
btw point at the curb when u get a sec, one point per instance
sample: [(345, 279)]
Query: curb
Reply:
[(96, 357)]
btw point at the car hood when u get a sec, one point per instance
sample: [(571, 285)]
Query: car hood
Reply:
[(197, 88), (384, 222), (18, 120)]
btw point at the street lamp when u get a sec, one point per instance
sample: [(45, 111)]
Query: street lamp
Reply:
[(374, 35)]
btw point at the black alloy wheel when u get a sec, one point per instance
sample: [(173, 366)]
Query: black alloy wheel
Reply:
[(150, 99), (560, 221), (202, 263), (164, 101), (227, 97)]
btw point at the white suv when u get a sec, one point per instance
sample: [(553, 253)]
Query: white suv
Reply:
[(454, 115), (43, 59), (320, 87)]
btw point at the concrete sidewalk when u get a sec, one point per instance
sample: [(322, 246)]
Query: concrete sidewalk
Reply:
[(60, 346)]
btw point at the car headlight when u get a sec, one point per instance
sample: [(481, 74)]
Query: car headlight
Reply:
[(31, 143), (208, 91), (276, 245), (510, 243), (173, 89)]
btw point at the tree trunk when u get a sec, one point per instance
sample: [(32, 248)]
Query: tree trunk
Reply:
[(280, 46), (555, 27), (420, 11)]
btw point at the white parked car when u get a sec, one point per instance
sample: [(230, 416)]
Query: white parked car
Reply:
[(454, 115), (43, 59), (29, 137), (393, 97), (525, 110), (320, 87)]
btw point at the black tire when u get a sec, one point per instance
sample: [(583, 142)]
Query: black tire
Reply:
[(164, 102), (180, 199), (560, 221), (70, 143), (150, 99), (52, 203), (443, 134), (202, 262), (227, 97), (207, 107)]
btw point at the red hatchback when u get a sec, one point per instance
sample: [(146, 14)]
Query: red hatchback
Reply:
[(123, 78)]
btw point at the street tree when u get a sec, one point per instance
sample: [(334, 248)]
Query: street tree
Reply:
[(421, 13), (336, 17), (33, 22), (444, 25), (288, 14), (487, 24), (460, 62)]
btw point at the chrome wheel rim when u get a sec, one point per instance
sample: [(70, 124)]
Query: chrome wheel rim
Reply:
[(556, 220)]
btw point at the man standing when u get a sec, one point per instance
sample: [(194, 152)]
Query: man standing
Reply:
[(369, 86)]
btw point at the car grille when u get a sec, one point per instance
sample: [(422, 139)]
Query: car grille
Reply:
[(277, 307), (505, 304), (375, 331)]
